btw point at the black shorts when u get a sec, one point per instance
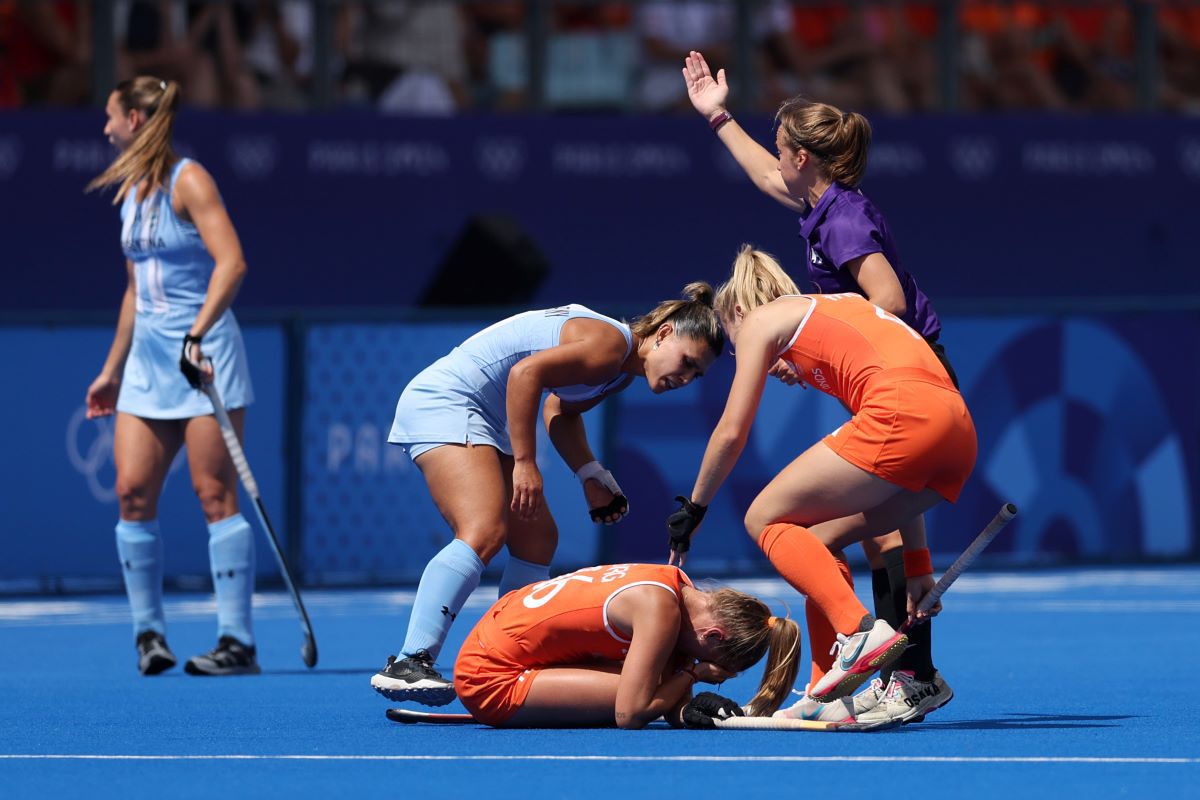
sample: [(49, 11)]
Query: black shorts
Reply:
[(940, 352)]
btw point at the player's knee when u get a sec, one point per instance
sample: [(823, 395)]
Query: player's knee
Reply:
[(755, 520), (216, 500), (485, 539), (134, 499)]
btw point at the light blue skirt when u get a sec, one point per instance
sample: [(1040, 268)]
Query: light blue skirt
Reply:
[(450, 402), (154, 388)]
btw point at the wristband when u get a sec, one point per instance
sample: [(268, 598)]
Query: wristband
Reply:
[(917, 563), (720, 119)]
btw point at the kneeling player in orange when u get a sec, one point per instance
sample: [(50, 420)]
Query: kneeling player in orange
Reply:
[(909, 445), (620, 644)]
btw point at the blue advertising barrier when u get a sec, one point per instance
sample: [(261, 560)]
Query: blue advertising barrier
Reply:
[(623, 207), (1086, 422), (57, 480)]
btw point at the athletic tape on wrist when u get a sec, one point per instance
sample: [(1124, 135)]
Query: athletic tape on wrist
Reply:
[(594, 470)]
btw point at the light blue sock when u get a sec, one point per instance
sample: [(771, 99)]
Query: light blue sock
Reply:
[(231, 556), (447, 582), (519, 574), (140, 549)]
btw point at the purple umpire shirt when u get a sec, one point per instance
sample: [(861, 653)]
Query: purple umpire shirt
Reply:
[(844, 225)]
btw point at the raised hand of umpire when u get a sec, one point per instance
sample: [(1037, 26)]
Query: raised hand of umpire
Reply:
[(708, 94)]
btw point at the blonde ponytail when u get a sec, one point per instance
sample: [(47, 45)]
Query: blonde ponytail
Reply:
[(757, 279), (693, 317), (750, 632), (150, 155)]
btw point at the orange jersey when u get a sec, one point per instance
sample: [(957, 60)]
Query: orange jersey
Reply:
[(844, 341), (910, 425), (559, 622), (565, 620)]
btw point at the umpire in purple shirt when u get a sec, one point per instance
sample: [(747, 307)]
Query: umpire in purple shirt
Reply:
[(822, 155)]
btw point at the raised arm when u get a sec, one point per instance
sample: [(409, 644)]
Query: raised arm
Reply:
[(708, 96), (589, 352)]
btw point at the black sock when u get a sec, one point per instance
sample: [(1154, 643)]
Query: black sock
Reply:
[(885, 609), (919, 655)]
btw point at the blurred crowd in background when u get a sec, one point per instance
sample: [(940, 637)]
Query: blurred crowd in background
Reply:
[(442, 57)]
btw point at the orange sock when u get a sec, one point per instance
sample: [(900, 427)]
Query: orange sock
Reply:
[(821, 634), (811, 569)]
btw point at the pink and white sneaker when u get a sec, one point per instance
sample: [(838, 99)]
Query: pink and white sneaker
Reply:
[(807, 708), (856, 657)]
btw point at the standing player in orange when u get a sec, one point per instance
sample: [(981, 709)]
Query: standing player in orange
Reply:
[(620, 644), (909, 445), (817, 171)]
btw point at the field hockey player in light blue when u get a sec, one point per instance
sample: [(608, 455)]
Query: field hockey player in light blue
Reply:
[(185, 265), (468, 422)]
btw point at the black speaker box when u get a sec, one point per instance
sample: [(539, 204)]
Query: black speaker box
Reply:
[(493, 262)]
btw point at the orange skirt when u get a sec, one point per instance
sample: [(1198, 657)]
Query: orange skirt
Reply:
[(911, 432), (488, 682)]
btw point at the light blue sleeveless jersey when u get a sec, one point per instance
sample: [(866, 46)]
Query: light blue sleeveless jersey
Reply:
[(172, 269), (462, 397), (171, 265)]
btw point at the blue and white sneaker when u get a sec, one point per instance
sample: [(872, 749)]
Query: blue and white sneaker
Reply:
[(856, 657)]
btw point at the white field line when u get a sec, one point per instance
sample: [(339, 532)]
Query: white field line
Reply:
[(624, 759)]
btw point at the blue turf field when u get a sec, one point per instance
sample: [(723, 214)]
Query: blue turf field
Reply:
[(1069, 684)]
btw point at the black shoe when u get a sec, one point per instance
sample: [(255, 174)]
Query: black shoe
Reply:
[(153, 654), (413, 678), (230, 657)]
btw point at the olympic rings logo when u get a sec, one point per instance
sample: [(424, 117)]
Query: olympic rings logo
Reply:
[(90, 450)]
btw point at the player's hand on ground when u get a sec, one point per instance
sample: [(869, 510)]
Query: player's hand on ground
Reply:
[(784, 372), (681, 525), (704, 708), (102, 396), (527, 497), (917, 589), (708, 95), (193, 364)]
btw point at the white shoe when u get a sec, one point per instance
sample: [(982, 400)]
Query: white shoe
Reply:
[(869, 697), (808, 708), (856, 657), (907, 699)]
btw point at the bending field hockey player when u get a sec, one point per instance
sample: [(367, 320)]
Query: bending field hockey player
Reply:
[(909, 445), (849, 247), (468, 422)]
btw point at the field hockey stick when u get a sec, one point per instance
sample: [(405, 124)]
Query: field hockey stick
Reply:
[(308, 651), (1002, 518), (408, 717)]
